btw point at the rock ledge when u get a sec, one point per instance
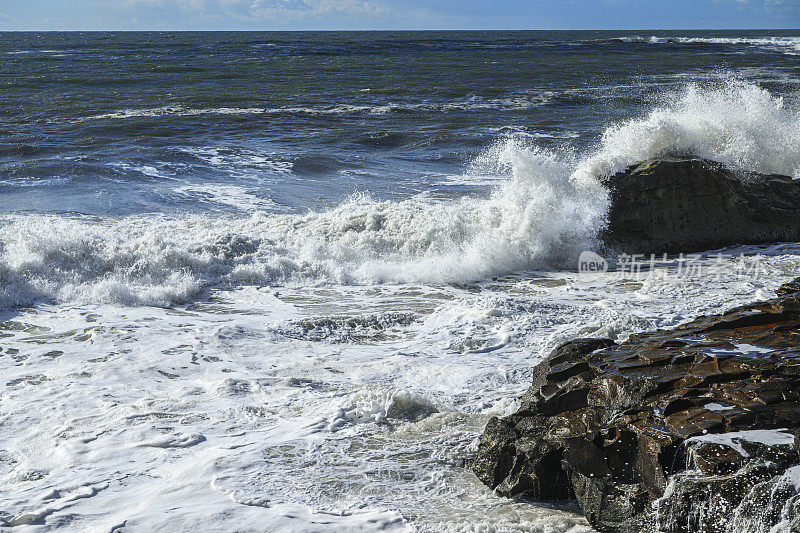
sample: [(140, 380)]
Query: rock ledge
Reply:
[(632, 431)]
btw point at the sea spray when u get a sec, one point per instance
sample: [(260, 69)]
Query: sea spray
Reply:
[(537, 217), (548, 207), (732, 122), (786, 45)]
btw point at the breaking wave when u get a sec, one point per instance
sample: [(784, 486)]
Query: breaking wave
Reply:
[(549, 206), (732, 122), (787, 45), (515, 103)]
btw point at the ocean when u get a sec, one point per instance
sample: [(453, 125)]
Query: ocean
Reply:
[(280, 281)]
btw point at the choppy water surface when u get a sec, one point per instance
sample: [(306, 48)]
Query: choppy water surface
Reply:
[(263, 281)]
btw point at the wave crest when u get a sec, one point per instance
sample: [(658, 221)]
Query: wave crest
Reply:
[(787, 45), (733, 122), (549, 206)]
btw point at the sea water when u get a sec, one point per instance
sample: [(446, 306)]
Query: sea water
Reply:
[(281, 281)]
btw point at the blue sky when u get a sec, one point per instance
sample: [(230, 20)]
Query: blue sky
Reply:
[(395, 14)]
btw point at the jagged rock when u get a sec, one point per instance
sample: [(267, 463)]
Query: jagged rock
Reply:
[(725, 476), (518, 462), (611, 424), (772, 506), (691, 205)]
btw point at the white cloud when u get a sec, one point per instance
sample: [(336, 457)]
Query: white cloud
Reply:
[(187, 5), (318, 8), (254, 7), (274, 13)]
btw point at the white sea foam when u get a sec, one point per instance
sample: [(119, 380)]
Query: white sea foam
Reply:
[(241, 162), (146, 170), (546, 209), (733, 122), (787, 45), (519, 102), (188, 111), (218, 417), (230, 195), (539, 216), (767, 437), (19, 52)]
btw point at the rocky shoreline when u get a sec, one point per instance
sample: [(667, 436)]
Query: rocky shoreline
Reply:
[(666, 431), (692, 429)]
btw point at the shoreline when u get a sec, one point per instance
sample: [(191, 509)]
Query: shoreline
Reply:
[(626, 429)]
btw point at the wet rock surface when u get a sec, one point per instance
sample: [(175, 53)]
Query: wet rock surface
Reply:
[(632, 430), (731, 484), (691, 205)]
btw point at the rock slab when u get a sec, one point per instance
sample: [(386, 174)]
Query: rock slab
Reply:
[(691, 205)]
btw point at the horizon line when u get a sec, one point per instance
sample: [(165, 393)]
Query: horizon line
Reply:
[(391, 30)]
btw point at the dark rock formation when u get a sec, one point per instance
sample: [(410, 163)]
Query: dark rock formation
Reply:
[(691, 205), (733, 483), (610, 424)]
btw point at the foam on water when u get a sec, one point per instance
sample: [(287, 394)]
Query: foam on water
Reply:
[(230, 195), (547, 208), (222, 415), (538, 216), (767, 437), (519, 102), (787, 45)]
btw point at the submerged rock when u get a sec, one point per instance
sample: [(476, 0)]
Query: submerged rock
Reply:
[(632, 431), (691, 205)]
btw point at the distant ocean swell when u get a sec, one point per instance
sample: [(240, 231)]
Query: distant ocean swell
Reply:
[(788, 45), (549, 207), (475, 103)]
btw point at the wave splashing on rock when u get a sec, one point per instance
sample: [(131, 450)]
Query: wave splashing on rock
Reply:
[(548, 207)]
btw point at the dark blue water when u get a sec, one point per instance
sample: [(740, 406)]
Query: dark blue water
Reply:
[(129, 123)]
